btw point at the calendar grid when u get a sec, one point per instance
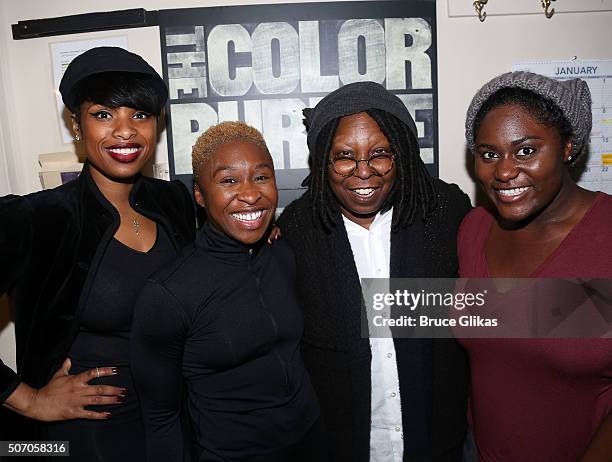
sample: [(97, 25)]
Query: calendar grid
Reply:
[(597, 174)]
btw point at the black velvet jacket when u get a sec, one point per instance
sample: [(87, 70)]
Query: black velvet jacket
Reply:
[(433, 374), (51, 243)]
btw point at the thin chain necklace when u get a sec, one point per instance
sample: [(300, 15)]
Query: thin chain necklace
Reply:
[(136, 225)]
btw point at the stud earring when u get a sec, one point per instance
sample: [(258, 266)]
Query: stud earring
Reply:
[(570, 159), (77, 137)]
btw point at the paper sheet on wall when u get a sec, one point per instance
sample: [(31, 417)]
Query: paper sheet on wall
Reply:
[(62, 53), (597, 175)]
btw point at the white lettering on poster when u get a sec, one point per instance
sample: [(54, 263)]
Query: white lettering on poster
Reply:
[(266, 73)]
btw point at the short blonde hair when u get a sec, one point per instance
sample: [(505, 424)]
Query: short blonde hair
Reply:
[(220, 134)]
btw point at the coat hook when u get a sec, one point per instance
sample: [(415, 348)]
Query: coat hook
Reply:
[(479, 6), (546, 5)]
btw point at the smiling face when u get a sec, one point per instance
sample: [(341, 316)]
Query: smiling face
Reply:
[(520, 163), (237, 188), (119, 141), (361, 195)]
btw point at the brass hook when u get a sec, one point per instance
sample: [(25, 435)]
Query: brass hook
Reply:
[(546, 5), (479, 6)]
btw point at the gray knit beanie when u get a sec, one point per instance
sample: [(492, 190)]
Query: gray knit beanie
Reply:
[(571, 96), (352, 99)]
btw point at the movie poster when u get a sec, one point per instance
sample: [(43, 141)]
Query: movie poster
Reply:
[(263, 64)]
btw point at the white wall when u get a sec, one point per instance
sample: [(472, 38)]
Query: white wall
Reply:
[(8, 174), (469, 53)]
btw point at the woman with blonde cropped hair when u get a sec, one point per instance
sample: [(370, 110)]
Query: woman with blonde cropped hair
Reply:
[(224, 320)]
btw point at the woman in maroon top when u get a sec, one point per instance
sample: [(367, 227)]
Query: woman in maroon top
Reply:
[(536, 399)]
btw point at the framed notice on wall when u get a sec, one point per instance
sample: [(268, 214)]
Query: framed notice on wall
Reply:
[(263, 64)]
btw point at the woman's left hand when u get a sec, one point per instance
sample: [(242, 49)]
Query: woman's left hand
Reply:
[(66, 396)]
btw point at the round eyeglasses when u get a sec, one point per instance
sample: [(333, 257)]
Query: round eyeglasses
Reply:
[(380, 164)]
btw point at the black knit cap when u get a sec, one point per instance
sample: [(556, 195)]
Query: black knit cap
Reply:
[(352, 99), (106, 59)]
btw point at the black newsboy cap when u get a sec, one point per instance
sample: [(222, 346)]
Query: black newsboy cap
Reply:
[(106, 59)]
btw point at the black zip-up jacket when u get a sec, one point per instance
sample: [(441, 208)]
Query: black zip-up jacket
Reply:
[(51, 243), (225, 319)]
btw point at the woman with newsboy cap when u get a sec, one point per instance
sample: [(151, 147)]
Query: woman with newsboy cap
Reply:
[(372, 210), (537, 399), (74, 258)]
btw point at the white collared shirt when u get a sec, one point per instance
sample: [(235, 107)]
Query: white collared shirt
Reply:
[(371, 251)]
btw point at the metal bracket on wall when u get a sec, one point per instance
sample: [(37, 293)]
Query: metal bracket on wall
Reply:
[(89, 22), (479, 6), (547, 11), (482, 15)]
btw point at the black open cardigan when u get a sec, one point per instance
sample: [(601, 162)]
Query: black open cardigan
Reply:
[(51, 243), (433, 374)]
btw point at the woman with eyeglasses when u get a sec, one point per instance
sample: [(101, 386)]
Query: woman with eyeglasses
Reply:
[(373, 211)]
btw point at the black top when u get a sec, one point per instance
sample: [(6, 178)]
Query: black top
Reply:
[(106, 320), (432, 373), (225, 318), (51, 244)]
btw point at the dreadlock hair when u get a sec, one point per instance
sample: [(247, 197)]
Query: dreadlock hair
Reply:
[(321, 196), (543, 110), (217, 135), (413, 193)]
